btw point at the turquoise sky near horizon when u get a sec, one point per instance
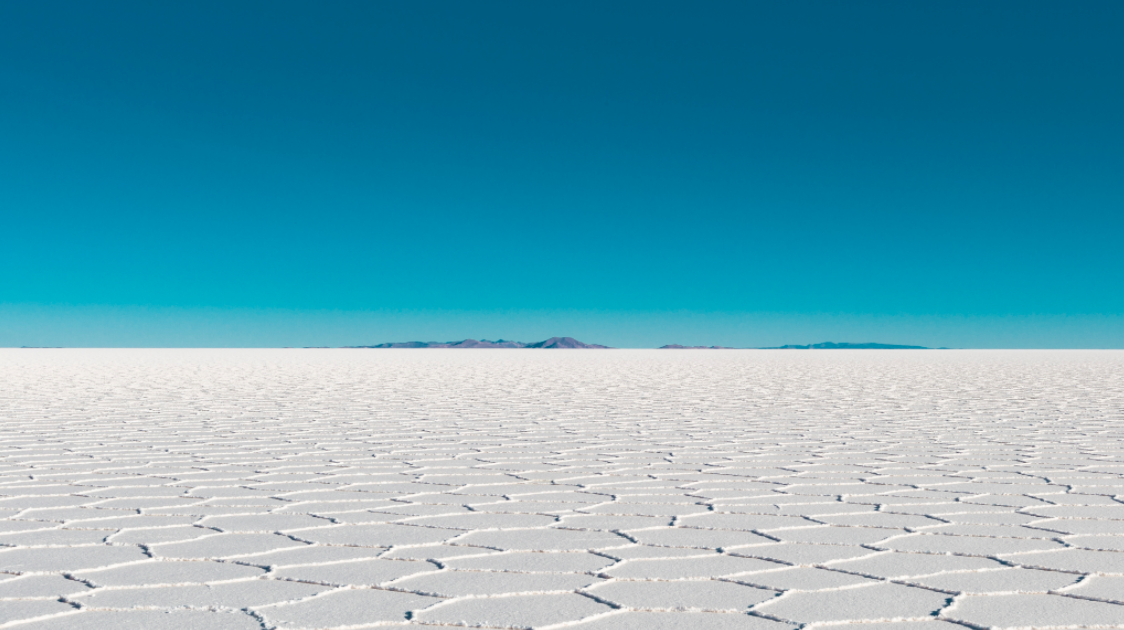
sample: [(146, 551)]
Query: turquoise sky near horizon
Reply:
[(628, 173)]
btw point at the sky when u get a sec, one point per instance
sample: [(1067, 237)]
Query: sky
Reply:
[(736, 173)]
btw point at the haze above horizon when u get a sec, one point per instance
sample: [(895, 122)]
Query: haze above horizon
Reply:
[(635, 174)]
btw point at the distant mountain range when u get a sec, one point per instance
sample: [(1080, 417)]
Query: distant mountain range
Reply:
[(552, 343), (571, 343)]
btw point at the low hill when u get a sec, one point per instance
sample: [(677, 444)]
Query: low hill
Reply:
[(567, 343)]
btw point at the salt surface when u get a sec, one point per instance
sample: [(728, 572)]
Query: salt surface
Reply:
[(561, 489)]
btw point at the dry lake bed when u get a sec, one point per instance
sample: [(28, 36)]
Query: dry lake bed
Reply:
[(610, 489)]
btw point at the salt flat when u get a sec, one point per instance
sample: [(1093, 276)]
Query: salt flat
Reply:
[(620, 489)]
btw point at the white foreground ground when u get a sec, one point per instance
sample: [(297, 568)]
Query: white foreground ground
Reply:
[(233, 489)]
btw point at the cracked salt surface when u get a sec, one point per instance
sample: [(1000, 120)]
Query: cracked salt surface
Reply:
[(242, 489)]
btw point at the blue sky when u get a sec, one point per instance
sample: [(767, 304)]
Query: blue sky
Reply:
[(629, 173)]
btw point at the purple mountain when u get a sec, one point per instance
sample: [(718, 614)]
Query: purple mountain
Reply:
[(552, 343), (565, 342)]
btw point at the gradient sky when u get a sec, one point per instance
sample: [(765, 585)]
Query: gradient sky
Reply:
[(630, 173)]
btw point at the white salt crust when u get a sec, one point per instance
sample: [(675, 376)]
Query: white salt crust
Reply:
[(649, 490)]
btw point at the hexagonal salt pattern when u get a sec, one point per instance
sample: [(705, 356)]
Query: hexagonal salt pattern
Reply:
[(288, 489)]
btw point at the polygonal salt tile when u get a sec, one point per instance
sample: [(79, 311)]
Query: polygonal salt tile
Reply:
[(636, 620), (976, 487), (612, 522), (379, 535), (530, 507), (176, 508), (823, 509), (1102, 543), (644, 551), (477, 520), (355, 573), (13, 611), (892, 565), (55, 537), (990, 518), (548, 539), (137, 492), (435, 552), (1034, 611), (53, 559), (147, 620), (410, 509), (362, 517), (714, 520), (587, 498), (1108, 490), (804, 554), (1105, 587), (331, 507), (911, 480), (879, 519), (236, 505), (999, 581), (60, 514), (433, 499), (944, 511), (1079, 560), (1018, 501), (534, 562), (311, 554), (224, 546), (967, 545), (1112, 512), (929, 624), (263, 523), (636, 498), (1079, 526), (351, 607), (162, 572), (521, 611), (647, 509), (31, 586), (501, 490), (41, 490), (802, 579), (219, 492), (700, 595), (836, 489), (831, 535), (229, 595), (25, 502), (476, 477), (16, 527), (693, 567), (996, 531), (461, 583), (129, 521), (887, 602), (697, 538), (723, 497), (152, 536)]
